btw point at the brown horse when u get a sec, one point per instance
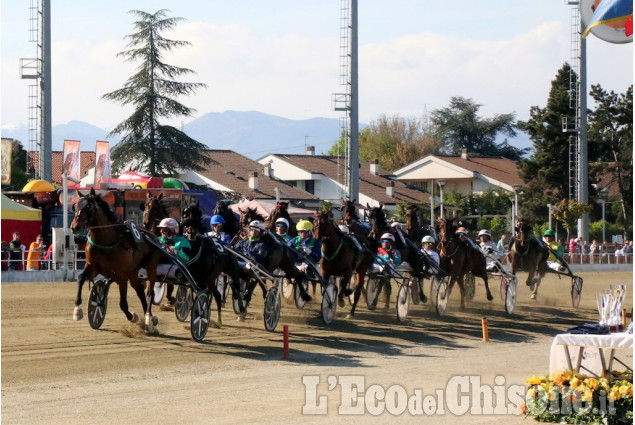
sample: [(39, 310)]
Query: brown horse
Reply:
[(352, 220), (527, 253), (280, 211), (458, 258), (112, 252), (340, 257), (153, 212)]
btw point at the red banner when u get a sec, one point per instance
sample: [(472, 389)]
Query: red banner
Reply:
[(102, 164), (71, 165)]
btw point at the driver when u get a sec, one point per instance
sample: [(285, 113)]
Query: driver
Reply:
[(488, 247), (387, 256), (428, 242), (282, 227), (461, 232), (556, 251), (305, 243), (174, 244), (216, 223), (253, 246)]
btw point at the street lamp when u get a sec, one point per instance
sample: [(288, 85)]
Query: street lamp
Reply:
[(441, 183)]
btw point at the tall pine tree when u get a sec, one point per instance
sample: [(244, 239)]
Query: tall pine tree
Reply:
[(546, 172), (146, 144)]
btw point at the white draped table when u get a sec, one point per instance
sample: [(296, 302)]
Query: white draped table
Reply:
[(589, 354)]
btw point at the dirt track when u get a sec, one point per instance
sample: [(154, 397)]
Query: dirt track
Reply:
[(57, 371)]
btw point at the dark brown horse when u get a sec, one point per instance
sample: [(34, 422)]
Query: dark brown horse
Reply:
[(340, 257), (153, 212), (112, 252), (232, 224), (458, 257), (528, 254), (280, 211), (352, 220)]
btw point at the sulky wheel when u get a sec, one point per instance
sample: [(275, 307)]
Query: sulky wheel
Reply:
[(183, 303), (373, 288), (443, 293), (97, 304), (159, 290), (402, 302), (241, 293), (576, 291), (199, 321), (273, 303), (511, 292), (299, 302), (329, 303), (469, 283)]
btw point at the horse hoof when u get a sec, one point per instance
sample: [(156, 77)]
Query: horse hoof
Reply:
[(135, 318), (149, 323), (78, 313), (350, 316), (533, 296), (490, 297), (240, 318), (155, 320), (341, 302)]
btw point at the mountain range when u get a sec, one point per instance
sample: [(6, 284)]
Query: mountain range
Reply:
[(249, 133)]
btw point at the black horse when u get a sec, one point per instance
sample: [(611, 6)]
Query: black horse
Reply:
[(192, 221), (231, 225), (528, 254)]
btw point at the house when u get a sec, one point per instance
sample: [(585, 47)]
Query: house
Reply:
[(464, 174), (324, 176), (234, 173)]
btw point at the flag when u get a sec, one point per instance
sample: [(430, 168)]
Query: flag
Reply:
[(102, 164), (7, 152), (610, 11), (70, 167)]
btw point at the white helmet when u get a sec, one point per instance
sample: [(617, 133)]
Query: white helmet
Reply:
[(396, 224), (427, 239), (344, 229), (283, 221), (388, 236), (170, 223), (257, 224), (484, 232)]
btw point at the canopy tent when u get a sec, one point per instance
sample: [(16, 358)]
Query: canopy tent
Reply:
[(38, 186), (20, 218), (265, 206)]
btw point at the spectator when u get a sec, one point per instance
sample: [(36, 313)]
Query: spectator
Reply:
[(586, 248), (35, 253), (619, 252), (595, 247), (17, 249), (502, 245), (628, 248), (48, 257), (573, 246), (5, 255)]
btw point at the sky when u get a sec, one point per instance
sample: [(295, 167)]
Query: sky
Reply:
[(282, 56)]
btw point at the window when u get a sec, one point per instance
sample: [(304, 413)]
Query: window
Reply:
[(309, 186)]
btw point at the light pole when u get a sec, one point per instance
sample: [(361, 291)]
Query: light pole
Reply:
[(431, 211), (441, 183), (603, 201)]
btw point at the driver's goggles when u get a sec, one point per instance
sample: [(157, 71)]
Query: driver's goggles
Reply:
[(281, 225), (385, 240)]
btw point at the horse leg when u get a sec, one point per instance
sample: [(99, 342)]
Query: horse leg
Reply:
[(218, 297), (459, 280), (387, 292), (344, 291), (169, 289), (123, 299), (78, 313), (358, 294)]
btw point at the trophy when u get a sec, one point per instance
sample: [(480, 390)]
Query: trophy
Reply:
[(602, 301), (617, 299)]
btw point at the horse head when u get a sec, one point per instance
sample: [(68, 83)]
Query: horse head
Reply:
[(193, 212), (377, 219), (322, 225), (412, 218), (447, 228), (349, 212), (523, 231), (153, 211), (90, 211)]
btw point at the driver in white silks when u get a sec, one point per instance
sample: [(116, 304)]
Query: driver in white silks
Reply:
[(488, 247)]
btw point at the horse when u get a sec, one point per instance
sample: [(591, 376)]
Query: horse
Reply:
[(408, 248), (112, 252), (352, 220), (416, 232), (528, 254), (231, 225), (280, 211), (154, 211), (192, 221), (340, 257), (458, 258)]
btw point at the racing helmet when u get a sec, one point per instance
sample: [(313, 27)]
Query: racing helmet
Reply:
[(484, 232), (304, 225), (217, 219), (257, 224), (344, 229), (395, 224), (461, 230), (169, 223), (427, 239), (283, 221), (388, 236), (549, 232)]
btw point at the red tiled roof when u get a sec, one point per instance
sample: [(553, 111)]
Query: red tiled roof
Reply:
[(232, 170), (86, 158), (502, 169), (373, 186), (606, 178)]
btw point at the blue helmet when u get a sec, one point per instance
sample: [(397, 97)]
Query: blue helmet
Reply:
[(217, 219)]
